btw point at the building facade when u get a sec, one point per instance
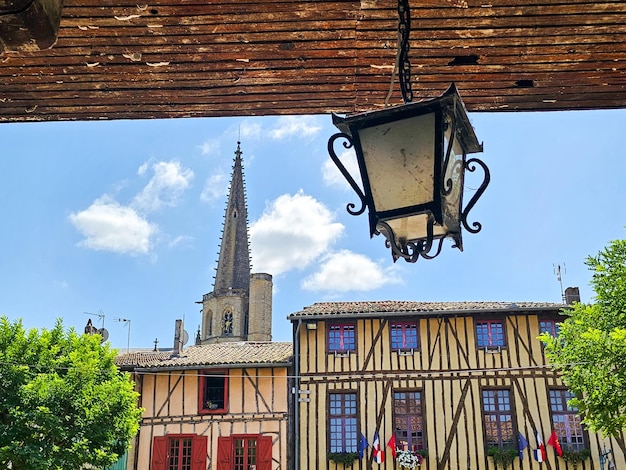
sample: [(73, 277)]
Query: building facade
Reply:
[(218, 406), (459, 385)]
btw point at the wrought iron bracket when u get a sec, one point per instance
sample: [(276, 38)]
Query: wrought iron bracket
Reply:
[(348, 144), (469, 166)]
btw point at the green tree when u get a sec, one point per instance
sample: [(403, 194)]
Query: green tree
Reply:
[(64, 404), (590, 349)]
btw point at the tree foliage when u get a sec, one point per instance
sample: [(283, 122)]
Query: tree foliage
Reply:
[(63, 404), (590, 349)]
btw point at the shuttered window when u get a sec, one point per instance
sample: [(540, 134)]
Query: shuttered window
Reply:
[(244, 452), (179, 452)]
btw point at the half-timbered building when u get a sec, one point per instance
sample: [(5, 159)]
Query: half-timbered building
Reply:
[(218, 406), (223, 403), (459, 384)]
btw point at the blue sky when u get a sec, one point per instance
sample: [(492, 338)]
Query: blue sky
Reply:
[(124, 218)]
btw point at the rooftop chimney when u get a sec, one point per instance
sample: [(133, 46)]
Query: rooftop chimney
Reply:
[(572, 294), (178, 338)]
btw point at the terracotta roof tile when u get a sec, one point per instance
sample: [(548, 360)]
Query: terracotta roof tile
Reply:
[(400, 306), (220, 354)]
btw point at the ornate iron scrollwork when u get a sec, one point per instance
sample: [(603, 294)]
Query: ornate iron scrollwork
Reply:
[(476, 226), (408, 250), (348, 144)]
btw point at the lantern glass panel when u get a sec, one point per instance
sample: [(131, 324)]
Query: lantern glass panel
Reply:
[(399, 159), (454, 173), (414, 227)]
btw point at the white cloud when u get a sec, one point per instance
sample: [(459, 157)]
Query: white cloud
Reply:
[(181, 240), (215, 188), (210, 147), (292, 232), (348, 271), (250, 130), (109, 226), (165, 187), (333, 177), (300, 126), (143, 168)]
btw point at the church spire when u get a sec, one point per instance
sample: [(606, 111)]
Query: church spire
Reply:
[(240, 306), (233, 266)]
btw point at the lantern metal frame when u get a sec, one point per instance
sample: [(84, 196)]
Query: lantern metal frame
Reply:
[(451, 118)]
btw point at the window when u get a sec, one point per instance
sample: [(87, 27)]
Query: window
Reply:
[(408, 420), (490, 334), (213, 393), (179, 452), (341, 337), (498, 418), (227, 327), (404, 336), (342, 426), (565, 420), (244, 452), (549, 326)]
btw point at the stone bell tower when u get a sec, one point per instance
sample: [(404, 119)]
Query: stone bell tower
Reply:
[(240, 306)]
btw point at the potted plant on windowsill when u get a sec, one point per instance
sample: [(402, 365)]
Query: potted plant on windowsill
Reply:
[(211, 406), (345, 458), (502, 456), (409, 459), (576, 456)]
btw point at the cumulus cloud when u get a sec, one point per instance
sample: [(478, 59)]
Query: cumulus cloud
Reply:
[(300, 126), (250, 130), (210, 147), (292, 232), (348, 271), (170, 179), (215, 187), (333, 177), (109, 226)]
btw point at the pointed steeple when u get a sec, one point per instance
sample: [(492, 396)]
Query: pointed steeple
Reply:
[(233, 266)]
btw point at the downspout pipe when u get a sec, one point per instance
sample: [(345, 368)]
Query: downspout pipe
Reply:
[(296, 401)]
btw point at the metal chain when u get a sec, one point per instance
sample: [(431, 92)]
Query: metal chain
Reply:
[(404, 30)]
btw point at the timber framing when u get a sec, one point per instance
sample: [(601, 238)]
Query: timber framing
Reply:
[(448, 370), (186, 58)]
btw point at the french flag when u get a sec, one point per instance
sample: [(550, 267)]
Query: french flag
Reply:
[(379, 455), (540, 452)]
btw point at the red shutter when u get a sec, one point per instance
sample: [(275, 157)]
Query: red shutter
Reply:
[(199, 449), (264, 447), (224, 452), (159, 453)]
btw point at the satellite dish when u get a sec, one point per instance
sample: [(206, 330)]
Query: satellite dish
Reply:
[(185, 337), (104, 333)]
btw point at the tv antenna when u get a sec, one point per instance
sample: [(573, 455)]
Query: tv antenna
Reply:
[(92, 330), (100, 316), (558, 272), (126, 322)]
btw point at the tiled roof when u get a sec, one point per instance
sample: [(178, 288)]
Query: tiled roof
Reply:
[(398, 306), (213, 355)]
